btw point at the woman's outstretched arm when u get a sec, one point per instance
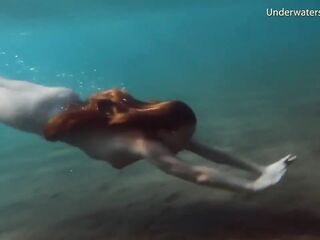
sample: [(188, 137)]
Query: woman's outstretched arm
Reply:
[(162, 158), (221, 157)]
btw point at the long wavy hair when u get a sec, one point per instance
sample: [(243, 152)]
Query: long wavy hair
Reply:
[(116, 110)]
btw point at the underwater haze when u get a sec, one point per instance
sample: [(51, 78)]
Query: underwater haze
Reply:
[(252, 80)]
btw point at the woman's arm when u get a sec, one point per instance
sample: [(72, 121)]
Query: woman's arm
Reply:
[(221, 157), (162, 158)]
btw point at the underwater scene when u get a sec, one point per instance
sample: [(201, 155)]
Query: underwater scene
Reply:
[(252, 80)]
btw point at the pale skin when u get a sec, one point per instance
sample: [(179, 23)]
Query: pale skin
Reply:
[(28, 107)]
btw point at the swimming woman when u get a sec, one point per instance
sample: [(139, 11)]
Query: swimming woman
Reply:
[(115, 127)]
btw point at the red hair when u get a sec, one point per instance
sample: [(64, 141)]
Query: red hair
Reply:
[(117, 110)]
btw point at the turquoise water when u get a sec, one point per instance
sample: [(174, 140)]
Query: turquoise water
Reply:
[(253, 81)]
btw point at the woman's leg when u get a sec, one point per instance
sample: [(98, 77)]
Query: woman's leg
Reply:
[(5, 109), (28, 106), (20, 85)]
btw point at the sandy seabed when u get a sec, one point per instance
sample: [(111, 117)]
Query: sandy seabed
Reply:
[(53, 192)]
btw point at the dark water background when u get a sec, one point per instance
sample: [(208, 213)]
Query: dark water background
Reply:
[(253, 81)]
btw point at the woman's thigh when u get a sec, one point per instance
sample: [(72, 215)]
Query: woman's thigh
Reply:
[(29, 107)]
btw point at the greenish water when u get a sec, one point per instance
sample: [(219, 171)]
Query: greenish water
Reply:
[(253, 81)]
